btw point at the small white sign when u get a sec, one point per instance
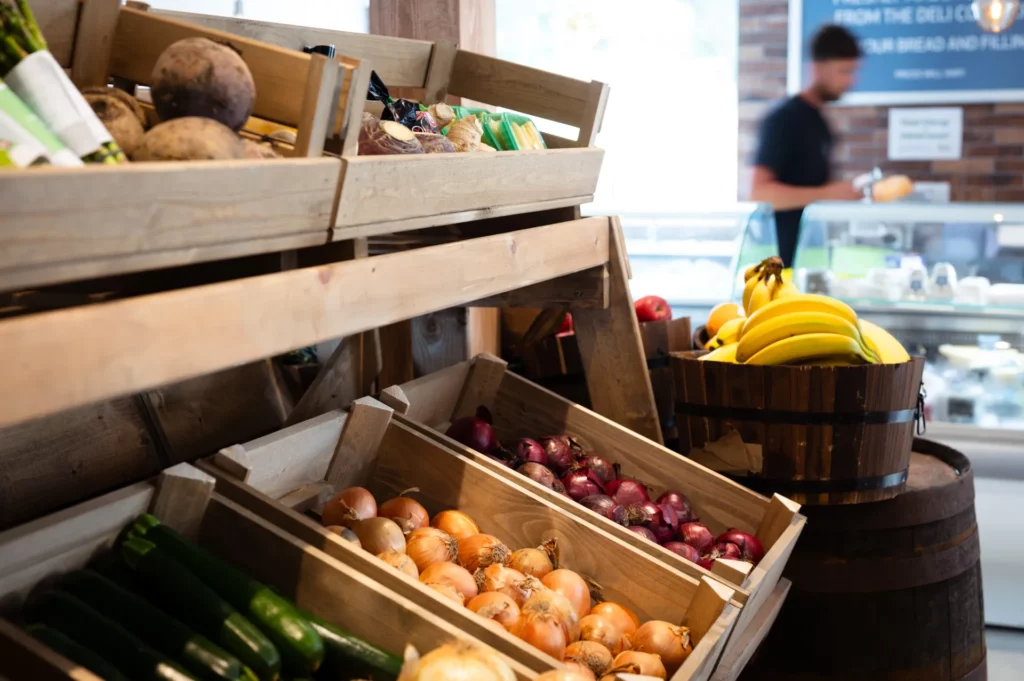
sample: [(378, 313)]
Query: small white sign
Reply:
[(935, 134), (933, 192)]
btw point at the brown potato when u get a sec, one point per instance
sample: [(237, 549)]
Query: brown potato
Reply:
[(190, 139)]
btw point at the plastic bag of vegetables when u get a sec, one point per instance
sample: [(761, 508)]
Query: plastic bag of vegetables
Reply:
[(25, 139)]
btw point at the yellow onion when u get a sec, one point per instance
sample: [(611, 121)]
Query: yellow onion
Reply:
[(671, 643), (573, 587), (458, 661), (480, 551), (429, 545), (536, 562), (574, 671), (345, 533), (378, 535), (619, 615), (633, 662), (602, 630), (446, 590), (453, 575), (400, 561), (348, 506), (455, 523), (496, 606), (547, 601), (513, 584), (402, 508), (595, 656), (544, 631)]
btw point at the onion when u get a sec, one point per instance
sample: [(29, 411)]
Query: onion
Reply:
[(348, 506), (474, 432), (560, 488), (643, 532), (594, 655), (627, 492), (562, 451), (539, 474), (447, 590), (344, 533), (685, 550), (602, 504), (458, 661), (429, 545), (378, 535), (534, 562), (581, 483), (601, 629), (680, 503), (619, 615), (545, 601), (481, 551), (661, 520), (574, 671), (496, 606), (634, 662), (726, 549), (697, 536), (573, 587), (605, 470), (402, 507), (749, 545), (671, 643), (512, 583), (400, 561), (484, 414), (453, 575), (544, 631), (526, 450), (455, 523)]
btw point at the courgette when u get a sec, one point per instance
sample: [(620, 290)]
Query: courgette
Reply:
[(346, 656), (75, 651), (188, 598), (302, 650), (195, 652), (106, 638)]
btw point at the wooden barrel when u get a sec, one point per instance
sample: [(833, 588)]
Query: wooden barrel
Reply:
[(888, 590), (700, 337), (818, 435)]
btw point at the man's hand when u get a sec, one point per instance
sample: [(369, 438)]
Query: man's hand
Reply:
[(841, 191)]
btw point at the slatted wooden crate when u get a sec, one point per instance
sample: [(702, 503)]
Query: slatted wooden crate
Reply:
[(522, 408), (281, 475), (184, 498)]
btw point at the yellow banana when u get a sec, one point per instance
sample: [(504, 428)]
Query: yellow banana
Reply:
[(762, 294), (804, 302), (888, 349), (753, 271), (729, 333), (787, 290), (793, 324), (726, 353), (807, 347), (748, 289)]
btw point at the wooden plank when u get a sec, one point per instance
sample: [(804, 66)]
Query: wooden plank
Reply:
[(58, 20), (60, 214), (439, 73), (483, 331), (396, 351), (612, 353), (361, 435), (481, 386), (593, 113), (182, 494), (732, 571), (291, 309), (394, 397), (94, 41), (462, 182), (439, 340), (588, 289), (352, 121), (23, 657), (318, 106), (336, 386), (432, 398), (308, 497), (740, 650)]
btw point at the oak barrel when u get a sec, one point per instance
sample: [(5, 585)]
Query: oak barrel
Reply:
[(819, 435), (888, 590)]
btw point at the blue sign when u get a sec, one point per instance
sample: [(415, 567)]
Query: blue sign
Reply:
[(916, 51)]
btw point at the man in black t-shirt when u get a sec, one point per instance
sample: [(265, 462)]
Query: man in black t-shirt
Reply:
[(792, 167)]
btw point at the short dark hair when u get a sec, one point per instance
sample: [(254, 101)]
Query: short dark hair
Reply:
[(834, 42)]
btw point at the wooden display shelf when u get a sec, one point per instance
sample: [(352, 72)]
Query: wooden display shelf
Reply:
[(184, 498), (281, 475), (521, 408)]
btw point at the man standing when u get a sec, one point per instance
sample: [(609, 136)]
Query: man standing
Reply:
[(792, 167)]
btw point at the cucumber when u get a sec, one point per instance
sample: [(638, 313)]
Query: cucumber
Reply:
[(75, 651), (185, 596), (106, 638), (346, 656), (196, 653), (302, 650)]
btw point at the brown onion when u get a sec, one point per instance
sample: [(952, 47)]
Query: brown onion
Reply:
[(574, 671), (455, 523), (480, 551), (633, 662), (496, 606), (544, 631), (458, 661), (594, 655), (619, 615), (378, 535), (602, 630), (573, 587), (546, 600), (348, 506), (671, 643), (512, 583), (429, 545), (536, 562), (400, 561), (447, 590), (345, 533), (402, 507), (450, 573)]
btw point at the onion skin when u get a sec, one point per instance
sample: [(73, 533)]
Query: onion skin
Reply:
[(604, 469), (593, 655), (562, 452), (453, 575), (526, 450), (378, 535), (634, 662), (533, 562), (345, 533), (728, 550), (481, 551), (543, 631), (697, 536), (512, 583), (602, 504), (580, 484), (627, 492), (684, 550), (669, 642), (749, 545), (619, 615), (574, 671), (458, 661), (497, 607), (643, 532), (429, 545), (681, 503), (662, 521), (573, 587), (604, 630), (455, 523), (406, 509), (545, 601), (348, 506), (400, 562), (474, 432), (542, 475), (448, 591)]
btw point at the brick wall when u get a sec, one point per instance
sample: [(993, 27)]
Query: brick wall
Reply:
[(993, 165)]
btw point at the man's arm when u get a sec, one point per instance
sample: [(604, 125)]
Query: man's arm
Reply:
[(766, 188)]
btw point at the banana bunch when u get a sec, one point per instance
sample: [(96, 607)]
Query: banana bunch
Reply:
[(784, 326)]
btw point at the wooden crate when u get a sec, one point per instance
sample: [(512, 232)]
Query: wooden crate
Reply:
[(521, 408), (281, 475), (184, 498)]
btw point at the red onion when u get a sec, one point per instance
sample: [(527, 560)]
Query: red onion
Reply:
[(706, 562), (560, 488), (697, 536), (473, 432), (582, 483), (526, 450), (606, 471), (726, 549), (661, 520), (685, 550), (680, 503), (562, 451), (643, 532), (627, 492), (749, 545), (484, 414), (538, 473), (606, 506)]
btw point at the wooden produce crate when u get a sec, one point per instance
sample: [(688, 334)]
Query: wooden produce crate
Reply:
[(283, 474), (184, 498), (522, 408)]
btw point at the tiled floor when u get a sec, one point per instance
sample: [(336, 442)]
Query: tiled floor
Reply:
[(1005, 654)]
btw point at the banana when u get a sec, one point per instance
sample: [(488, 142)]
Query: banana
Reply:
[(726, 353), (753, 271), (793, 324), (729, 333), (787, 290), (804, 302), (762, 294), (807, 347), (888, 349), (748, 289)]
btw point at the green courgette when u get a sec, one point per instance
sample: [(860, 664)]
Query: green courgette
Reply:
[(346, 656), (106, 638), (302, 650), (75, 651), (195, 652), (188, 598)]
